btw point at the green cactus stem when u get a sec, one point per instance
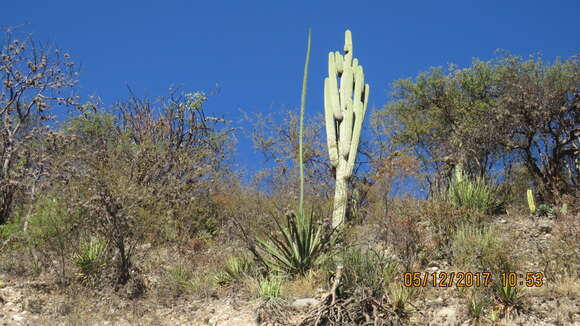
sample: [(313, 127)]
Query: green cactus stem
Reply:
[(345, 109), (531, 202)]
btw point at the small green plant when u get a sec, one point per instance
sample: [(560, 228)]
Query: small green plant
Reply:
[(180, 276), (364, 269), (399, 296), (531, 202), (90, 260), (9, 230), (476, 307), (508, 295), (181, 280), (545, 210), (494, 316), (270, 288), (236, 267), (564, 209), (475, 193)]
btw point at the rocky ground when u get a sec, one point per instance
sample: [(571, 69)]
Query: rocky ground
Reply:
[(25, 301)]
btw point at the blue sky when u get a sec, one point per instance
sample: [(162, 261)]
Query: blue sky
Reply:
[(254, 50)]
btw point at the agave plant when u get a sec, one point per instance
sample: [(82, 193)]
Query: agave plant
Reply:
[(301, 242), (236, 267), (90, 259), (508, 295), (298, 248), (476, 193)]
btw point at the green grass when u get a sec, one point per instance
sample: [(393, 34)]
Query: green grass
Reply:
[(270, 288), (236, 267)]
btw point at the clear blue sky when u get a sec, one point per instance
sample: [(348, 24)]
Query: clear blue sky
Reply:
[(254, 50)]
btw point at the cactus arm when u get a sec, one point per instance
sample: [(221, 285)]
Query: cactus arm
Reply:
[(331, 65), (346, 87), (330, 124), (347, 41), (339, 62), (359, 119), (346, 129), (333, 93)]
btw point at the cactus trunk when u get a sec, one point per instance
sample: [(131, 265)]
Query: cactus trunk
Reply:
[(345, 108)]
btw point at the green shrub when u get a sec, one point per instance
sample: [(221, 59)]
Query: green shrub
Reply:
[(90, 259), (545, 210), (9, 230), (51, 231), (363, 269), (236, 267)]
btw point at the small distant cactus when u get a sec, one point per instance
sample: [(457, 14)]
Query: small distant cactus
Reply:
[(531, 202), (345, 105), (564, 209)]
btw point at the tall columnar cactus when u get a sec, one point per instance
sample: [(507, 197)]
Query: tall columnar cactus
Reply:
[(531, 203), (345, 105)]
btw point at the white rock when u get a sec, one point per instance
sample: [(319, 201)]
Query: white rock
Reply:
[(18, 318), (305, 303)]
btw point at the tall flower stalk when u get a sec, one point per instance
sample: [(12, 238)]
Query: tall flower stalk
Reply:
[(302, 107)]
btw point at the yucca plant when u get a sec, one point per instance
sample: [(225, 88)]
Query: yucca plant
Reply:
[(399, 296), (299, 247), (494, 316), (90, 259), (475, 193)]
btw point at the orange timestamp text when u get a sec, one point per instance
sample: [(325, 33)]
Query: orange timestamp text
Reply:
[(471, 279)]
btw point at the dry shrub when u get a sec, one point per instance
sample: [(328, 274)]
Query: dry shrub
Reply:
[(561, 257), (403, 231), (304, 286), (443, 219), (481, 248)]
